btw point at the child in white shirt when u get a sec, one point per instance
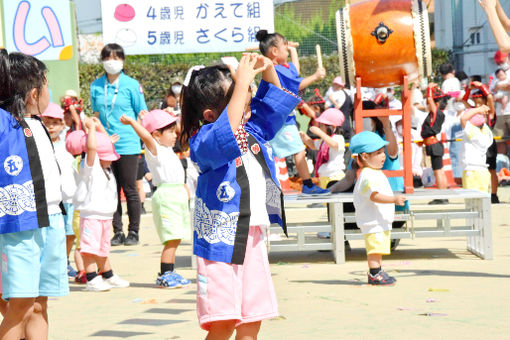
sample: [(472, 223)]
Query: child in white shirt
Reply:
[(330, 159), (501, 96), (170, 208), (477, 138), (374, 202), (96, 199)]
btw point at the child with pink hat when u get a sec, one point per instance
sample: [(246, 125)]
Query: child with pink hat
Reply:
[(330, 158), (476, 140), (170, 208), (53, 120), (96, 199)]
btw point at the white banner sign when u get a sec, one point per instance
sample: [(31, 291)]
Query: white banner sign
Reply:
[(185, 26)]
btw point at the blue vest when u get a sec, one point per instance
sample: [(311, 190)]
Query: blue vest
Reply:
[(22, 192), (222, 207)]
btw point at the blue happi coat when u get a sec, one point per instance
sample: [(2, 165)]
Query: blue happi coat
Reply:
[(22, 192), (222, 207), (289, 78)]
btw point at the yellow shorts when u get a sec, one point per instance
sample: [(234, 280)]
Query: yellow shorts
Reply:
[(378, 243), (477, 179), (76, 227), (323, 181)]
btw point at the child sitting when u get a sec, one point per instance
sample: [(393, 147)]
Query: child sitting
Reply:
[(330, 159), (53, 120), (96, 200), (374, 203), (170, 201), (477, 138)]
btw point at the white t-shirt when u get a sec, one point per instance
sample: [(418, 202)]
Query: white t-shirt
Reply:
[(338, 96), (419, 115), (51, 173), (451, 85), (66, 162), (96, 194), (335, 164), (165, 167), (257, 180), (417, 152), (373, 217), (475, 144)]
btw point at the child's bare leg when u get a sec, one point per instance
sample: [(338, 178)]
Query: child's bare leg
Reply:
[(301, 166), (374, 261), (37, 324), (78, 260), (89, 262), (248, 331), (18, 312), (103, 264), (69, 243), (221, 330), (3, 306), (504, 101), (494, 181), (168, 253), (440, 179)]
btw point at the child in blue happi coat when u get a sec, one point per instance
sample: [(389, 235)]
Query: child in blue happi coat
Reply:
[(237, 191)]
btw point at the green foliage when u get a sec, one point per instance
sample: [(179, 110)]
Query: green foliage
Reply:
[(439, 57)]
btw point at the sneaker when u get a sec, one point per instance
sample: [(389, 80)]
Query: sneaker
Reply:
[(81, 277), (494, 199), (118, 239), (314, 190), (180, 279), (167, 280), (116, 282), (70, 271), (97, 285), (439, 201), (131, 239), (381, 279)]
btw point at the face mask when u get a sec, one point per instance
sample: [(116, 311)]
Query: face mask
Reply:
[(113, 66), (504, 66), (459, 106), (390, 96), (176, 89)]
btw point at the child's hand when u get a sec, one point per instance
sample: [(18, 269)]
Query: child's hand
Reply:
[(484, 109), (114, 138), (292, 44), (89, 123), (263, 61), (432, 85), (142, 114), (320, 73), (400, 200), (246, 70), (126, 120), (315, 130)]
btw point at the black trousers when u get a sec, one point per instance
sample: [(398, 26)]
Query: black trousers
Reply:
[(125, 170)]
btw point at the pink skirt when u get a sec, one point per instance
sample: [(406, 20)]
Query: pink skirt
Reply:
[(244, 293)]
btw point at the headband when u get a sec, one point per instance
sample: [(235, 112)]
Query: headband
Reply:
[(190, 73)]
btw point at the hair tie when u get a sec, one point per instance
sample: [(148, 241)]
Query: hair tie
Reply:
[(190, 73)]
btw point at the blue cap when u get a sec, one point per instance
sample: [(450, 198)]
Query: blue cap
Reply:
[(366, 141)]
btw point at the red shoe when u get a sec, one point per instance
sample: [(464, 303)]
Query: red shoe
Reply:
[(81, 277)]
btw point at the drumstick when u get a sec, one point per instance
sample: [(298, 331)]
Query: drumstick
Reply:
[(319, 55), (252, 48)]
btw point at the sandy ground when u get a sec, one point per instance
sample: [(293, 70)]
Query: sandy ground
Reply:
[(443, 291)]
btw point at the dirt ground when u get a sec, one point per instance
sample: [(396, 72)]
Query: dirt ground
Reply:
[(443, 291)]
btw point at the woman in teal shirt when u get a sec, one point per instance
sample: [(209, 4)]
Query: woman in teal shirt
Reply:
[(113, 95)]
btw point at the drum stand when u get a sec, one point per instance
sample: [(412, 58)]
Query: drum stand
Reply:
[(359, 114)]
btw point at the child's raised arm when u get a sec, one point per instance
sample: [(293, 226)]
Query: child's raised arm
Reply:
[(324, 136), (294, 58), (318, 75), (144, 135), (243, 77), (91, 142), (469, 113), (430, 97)]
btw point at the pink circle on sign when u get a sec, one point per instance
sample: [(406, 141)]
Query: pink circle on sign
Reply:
[(124, 13)]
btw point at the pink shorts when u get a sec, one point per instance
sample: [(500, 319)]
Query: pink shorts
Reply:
[(95, 236), (237, 292)]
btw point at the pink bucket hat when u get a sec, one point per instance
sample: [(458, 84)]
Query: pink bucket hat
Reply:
[(74, 142), (157, 119), (477, 120), (105, 148), (53, 111), (332, 116), (338, 81)]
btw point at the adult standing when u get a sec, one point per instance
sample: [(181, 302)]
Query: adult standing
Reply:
[(499, 22), (339, 97), (114, 95)]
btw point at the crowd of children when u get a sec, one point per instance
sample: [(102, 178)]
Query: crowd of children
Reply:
[(58, 166)]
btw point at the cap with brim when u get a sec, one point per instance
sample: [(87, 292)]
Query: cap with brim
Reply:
[(339, 81), (104, 147), (366, 141), (53, 111), (499, 57), (332, 116), (71, 93), (74, 142), (157, 119)]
